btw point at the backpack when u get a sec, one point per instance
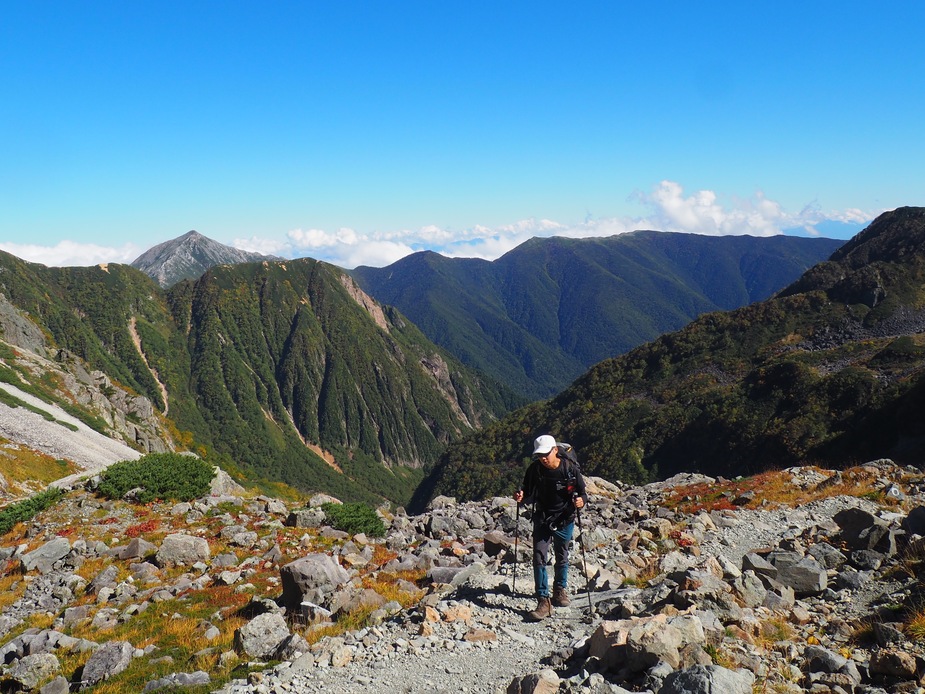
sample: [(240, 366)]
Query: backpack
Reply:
[(572, 468)]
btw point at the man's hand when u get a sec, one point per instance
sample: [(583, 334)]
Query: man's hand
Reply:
[(519, 496), (579, 502)]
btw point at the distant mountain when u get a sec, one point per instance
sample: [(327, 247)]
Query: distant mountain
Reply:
[(830, 371), (281, 371), (187, 257), (542, 314)]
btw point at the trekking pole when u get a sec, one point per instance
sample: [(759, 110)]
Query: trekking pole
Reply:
[(516, 539), (584, 564)]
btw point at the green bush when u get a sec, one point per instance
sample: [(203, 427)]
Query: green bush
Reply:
[(354, 518), (158, 476), (22, 511)]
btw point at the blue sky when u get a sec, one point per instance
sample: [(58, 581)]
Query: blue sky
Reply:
[(357, 132)]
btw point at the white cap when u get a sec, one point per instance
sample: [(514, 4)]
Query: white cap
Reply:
[(543, 444)]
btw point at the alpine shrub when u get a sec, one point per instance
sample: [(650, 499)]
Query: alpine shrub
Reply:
[(158, 476), (354, 518), (25, 510)]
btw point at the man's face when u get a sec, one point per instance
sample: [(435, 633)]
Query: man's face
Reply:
[(549, 460)]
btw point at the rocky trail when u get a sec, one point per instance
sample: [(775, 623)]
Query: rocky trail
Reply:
[(694, 589)]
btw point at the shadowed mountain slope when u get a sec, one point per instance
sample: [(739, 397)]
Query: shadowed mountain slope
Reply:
[(832, 370), (543, 313)]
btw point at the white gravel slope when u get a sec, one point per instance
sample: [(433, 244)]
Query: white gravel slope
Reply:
[(87, 448)]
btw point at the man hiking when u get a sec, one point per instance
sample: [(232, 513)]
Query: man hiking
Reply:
[(553, 483)]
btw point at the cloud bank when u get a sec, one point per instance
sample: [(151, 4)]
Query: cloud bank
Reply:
[(668, 209), (72, 253), (666, 206)]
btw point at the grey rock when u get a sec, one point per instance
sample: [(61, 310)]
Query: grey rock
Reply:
[(867, 559), (105, 578), (261, 636), (441, 502), (223, 485), (454, 575), (178, 680), (886, 633), (107, 660), (45, 556), (543, 682), (861, 529), (137, 548), (759, 565), (275, 507), (59, 685), (708, 679), (914, 522), (291, 648), (851, 579), (353, 599), (806, 577), (318, 500), (827, 555), (29, 670), (496, 542), (311, 578), (749, 589), (182, 549)]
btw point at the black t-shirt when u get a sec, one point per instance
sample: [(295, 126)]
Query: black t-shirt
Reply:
[(552, 491)]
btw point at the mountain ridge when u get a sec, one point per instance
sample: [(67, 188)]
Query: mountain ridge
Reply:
[(830, 369), (274, 370), (543, 313)]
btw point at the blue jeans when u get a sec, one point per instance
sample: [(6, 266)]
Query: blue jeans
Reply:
[(542, 537)]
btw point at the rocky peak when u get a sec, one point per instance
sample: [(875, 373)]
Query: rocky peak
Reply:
[(188, 256)]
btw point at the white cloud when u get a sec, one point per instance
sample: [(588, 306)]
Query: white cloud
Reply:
[(702, 213), (71, 253), (667, 208), (261, 245)]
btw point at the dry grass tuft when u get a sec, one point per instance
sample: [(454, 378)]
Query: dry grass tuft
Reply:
[(915, 624), (12, 587), (772, 630)]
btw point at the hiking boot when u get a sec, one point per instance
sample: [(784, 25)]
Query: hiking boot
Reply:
[(560, 597), (542, 611)]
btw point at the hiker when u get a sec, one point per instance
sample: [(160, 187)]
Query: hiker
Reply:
[(553, 483)]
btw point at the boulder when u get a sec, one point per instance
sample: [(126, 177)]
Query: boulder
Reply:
[(29, 670), (262, 636), (496, 542), (45, 556), (806, 577), (311, 578), (137, 548), (59, 685), (352, 600), (543, 682), (914, 523), (861, 529), (223, 485), (759, 565), (182, 549), (179, 680), (107, 660), (306, 518), (705, 679)]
